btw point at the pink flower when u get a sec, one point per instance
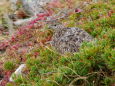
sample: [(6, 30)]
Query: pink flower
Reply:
[(36, 54), (15, 46), (78, 10), (13, 38), (42, 14)]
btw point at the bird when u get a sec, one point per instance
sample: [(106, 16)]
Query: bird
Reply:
[(68, 39)]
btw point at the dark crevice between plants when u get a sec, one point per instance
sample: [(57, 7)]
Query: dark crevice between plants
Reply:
[(1, 74)]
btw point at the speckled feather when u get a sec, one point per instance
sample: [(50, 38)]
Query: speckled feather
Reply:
[(69, 39)]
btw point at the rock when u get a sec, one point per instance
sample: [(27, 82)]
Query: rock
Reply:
[(13, 4), (17, 72), (1, 27), (67, 40), (9, 24), (24, 21), (32, 7)]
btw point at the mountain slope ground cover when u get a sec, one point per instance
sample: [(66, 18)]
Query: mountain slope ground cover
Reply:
[(93, 65)]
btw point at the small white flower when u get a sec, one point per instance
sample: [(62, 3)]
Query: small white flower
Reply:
[(18, 71)]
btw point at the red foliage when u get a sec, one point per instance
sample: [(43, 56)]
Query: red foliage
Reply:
[(22, 31), (5, 80)]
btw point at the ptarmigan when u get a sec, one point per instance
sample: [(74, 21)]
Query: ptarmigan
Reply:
[(69, 40)]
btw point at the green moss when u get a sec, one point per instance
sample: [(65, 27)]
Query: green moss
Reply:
[(9, 84), (9, 65)]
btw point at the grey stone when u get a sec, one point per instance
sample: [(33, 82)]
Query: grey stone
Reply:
[(32, 7)]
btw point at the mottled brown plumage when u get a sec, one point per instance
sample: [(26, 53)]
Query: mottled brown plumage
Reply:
[(69, 39)]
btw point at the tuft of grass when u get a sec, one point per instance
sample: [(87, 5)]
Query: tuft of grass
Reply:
[(9, 65)]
